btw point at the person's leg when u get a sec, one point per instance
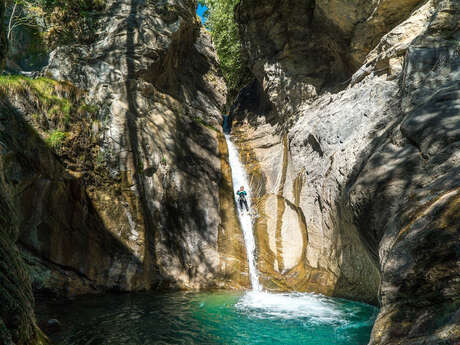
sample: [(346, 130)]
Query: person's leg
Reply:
[(246, 204), (241, 204)]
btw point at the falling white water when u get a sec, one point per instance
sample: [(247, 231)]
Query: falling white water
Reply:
[(240, 178), (264, 305)]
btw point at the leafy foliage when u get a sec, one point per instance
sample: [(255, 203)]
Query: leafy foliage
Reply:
[(56, 139), (60, 21), (57, 111), (224, 31), (57, 99)]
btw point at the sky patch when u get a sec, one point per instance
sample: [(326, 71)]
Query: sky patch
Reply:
[(201, 11)]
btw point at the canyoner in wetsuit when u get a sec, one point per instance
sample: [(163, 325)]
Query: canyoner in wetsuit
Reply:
[(242, 198)]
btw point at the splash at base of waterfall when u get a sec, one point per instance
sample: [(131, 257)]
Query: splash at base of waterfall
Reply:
[(315, 319), (255, 317), (210, 318)]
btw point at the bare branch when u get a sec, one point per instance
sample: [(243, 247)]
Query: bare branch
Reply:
[(18, 19), (10, 28)]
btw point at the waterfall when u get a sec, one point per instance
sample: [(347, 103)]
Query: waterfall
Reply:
[(239, 178)]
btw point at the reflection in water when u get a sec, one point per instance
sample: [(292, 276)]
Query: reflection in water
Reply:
[(211, 318)]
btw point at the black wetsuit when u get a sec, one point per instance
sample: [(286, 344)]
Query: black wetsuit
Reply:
[(227, 124), (242, 199)]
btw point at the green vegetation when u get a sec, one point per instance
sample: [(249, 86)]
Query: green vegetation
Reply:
[(99, 158), (18, 83), (54, 98), (202, 122), (3, 42), (89, 108), (56, 115), (57, 111), (56, 21), (224, 31), (56, 139)]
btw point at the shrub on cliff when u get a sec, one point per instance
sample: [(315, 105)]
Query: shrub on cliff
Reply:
[(58, 113), (57, 21), (224, 31)]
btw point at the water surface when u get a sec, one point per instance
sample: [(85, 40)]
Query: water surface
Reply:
[(226, 318), (211, 318)]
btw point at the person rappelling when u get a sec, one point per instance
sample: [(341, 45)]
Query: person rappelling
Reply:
[(242, 198)]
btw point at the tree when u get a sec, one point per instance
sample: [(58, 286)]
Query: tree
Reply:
[(20, 16), (57, 21), (224, 31)]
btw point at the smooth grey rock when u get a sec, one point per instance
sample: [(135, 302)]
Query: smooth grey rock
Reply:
[(373, 168), (153, 75)]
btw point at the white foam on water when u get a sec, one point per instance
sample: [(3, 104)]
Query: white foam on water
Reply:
[(240, 178), (290, 306), (257, 303)]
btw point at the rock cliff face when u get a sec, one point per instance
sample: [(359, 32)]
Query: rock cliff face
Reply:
[(113, 169), (154, 74), (17, 321), (351, 135), (123, 184)]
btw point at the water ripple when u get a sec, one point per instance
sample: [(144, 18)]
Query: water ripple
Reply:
[(211, 318)]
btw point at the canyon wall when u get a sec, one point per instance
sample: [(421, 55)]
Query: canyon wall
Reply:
[(116, 161), (154, 74), (351, 134), (17, 321), (114, 171)]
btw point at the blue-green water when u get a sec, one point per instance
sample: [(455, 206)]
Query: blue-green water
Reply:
[(211, 318)]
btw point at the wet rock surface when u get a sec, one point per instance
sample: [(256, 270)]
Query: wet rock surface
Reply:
[(369, 161)]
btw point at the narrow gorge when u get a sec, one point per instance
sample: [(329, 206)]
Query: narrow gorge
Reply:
[(123, 141)]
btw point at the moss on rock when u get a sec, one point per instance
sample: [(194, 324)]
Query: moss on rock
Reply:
[(17, 321)]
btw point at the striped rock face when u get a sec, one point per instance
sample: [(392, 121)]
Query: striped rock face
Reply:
[(126, 196), (351, 134), (293, 252)]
